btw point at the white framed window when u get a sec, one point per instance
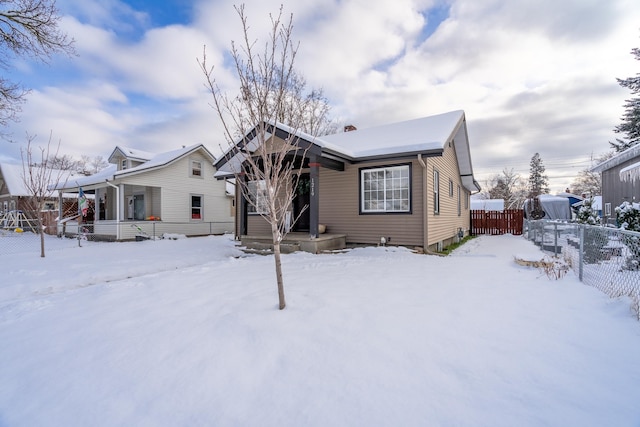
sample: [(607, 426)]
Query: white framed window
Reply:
[(607, 209), (384, 190), (459, 202), (49, 206), (436, 192), (196, 168), (197, 213), (257, 197), (123, 164), (450, 188)]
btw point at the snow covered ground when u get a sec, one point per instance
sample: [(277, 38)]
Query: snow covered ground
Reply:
[(187, 332)]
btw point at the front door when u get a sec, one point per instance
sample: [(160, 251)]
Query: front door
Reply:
[(138, 207), (301, 201)]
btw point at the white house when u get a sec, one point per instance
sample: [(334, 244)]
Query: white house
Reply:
[(172, 192)]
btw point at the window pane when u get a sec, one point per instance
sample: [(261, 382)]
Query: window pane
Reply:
[(385, 189)]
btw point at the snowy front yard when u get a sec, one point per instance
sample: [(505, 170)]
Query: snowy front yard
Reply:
[(187, 332)]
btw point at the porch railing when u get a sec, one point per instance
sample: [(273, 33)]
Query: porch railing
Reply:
[(130, 230)]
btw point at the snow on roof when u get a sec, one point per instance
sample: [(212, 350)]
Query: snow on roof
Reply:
[(158, 160), (626, 155), (101, 176), (412, 136), (164, 159), (13, 178), (487, 204), (133, 153), (418, 135)]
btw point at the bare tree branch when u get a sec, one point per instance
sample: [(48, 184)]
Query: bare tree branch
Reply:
[(270, 92), (40, 179), (28, 28)]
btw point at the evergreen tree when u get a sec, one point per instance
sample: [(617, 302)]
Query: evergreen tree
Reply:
[(628, 218), (587, 214), (630, 126), (538, 181)]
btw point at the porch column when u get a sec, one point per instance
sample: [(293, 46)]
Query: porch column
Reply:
[(121, 204), (314, 193)]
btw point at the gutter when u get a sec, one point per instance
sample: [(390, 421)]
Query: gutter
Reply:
[(117, 208), (425, 209)]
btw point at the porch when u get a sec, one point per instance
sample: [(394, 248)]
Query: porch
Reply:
[(110, 230), (296, 241)]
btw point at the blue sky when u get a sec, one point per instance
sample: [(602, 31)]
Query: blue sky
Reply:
[(531, 76)]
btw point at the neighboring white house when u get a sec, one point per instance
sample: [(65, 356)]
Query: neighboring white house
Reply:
[(16, 198), (487, 205), (172, 192)]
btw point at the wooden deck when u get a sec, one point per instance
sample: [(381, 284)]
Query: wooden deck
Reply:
[(296, 241)]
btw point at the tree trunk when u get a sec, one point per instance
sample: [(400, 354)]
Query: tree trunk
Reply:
[(41, 230), (276, 257)]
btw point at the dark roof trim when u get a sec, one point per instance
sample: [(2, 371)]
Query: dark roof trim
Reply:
[(431, 153)]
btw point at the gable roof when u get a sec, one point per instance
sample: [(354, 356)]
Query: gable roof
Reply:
[(12, 174), (427, 135), (155, 162), (131, 153)]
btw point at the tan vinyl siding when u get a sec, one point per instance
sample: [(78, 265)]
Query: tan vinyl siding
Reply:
[(444, 227), (257, 225), (340, 207)]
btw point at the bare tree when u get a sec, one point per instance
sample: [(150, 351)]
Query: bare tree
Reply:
[(27, 28), (509, 186), (96, 164), (64, 162), (270, 91), (40, 179), (588, 182), (86, 165)]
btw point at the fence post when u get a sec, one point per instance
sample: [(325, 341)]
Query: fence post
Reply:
[(555, 240), (154, 230), (581, 252)]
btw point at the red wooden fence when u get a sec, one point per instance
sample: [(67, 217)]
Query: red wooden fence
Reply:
[(494, 222)]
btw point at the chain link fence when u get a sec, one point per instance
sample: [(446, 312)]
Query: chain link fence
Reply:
[(604, 257)]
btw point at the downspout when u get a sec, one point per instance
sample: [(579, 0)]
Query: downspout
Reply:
[(117, 208), (425, 209)]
